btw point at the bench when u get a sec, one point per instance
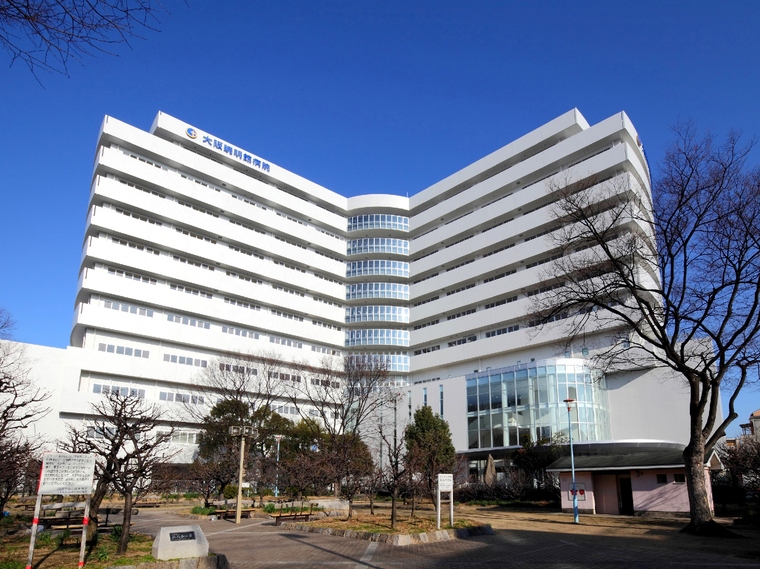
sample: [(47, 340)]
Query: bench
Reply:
[(74, 520), (291, 518), (148, 504), (244, 513)]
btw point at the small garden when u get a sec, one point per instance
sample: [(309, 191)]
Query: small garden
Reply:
[(60, 549)]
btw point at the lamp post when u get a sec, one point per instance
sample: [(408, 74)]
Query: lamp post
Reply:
[(572, 459), (241, 431), (278, 438)]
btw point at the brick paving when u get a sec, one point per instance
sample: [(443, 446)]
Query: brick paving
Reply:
[(258, 544)]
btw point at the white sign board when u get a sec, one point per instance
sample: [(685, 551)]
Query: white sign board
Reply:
[(65, 473), (446, 482)]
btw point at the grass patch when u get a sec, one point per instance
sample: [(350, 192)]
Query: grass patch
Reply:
[(55, 553)]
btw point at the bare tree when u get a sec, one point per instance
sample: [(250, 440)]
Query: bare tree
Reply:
[(393, 470), (340, 399), (130, 440), (671, 280), (16, 460), (46, 34), (21, 402), (742, 461), (254, 380)]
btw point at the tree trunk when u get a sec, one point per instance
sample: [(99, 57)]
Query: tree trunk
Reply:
[(124, 540), (394, 499), (699, 506), (95, 500)]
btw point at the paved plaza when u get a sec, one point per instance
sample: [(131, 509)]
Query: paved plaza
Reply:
[(545, 542)]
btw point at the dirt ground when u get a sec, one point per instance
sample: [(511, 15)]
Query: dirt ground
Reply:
[(649, 532)]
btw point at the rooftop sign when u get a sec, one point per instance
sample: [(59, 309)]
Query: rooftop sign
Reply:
[(222, 147)]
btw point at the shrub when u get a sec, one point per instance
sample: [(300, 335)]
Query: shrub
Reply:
[(191, 495), (230, 492), (201, 511), (61, 539), (270, 508), (101, 554), (10, 564)]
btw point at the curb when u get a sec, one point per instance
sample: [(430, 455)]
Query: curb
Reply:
[(401, 539), (217, 561)]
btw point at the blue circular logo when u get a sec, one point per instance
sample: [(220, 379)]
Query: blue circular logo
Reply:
[(191, 133)]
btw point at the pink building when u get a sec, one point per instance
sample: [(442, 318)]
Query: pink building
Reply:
[(632, 481)]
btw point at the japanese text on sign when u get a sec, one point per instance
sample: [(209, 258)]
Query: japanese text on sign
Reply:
[(182, 536), (65, 473), (224, 148)]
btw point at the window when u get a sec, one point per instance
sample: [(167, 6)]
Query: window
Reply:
[(662, 479), (679, 478), (106, 389), (188, 321), (181, 398), (123, 350), (131, 276), (185, 360), (189, 290), (240, 332), (285, 342), (130, 308)]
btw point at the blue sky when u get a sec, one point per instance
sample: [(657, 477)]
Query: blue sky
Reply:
[(361, 97)]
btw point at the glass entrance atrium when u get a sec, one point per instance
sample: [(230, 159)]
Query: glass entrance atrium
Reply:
[(506, 405)]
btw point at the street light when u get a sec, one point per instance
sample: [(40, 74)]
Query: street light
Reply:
[(241, 431), (278, 438), (572, 459)]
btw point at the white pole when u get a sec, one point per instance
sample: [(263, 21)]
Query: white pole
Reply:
[(240, 480), (451, 509), (572, 462), (85, 524), (438, 506), (277, 471)]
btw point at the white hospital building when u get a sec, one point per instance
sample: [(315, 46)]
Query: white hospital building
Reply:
[(195, 247)]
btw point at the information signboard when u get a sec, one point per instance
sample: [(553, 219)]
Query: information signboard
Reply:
[(66, 473), (445, 484)]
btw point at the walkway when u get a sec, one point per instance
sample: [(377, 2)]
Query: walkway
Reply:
[(258, 544)]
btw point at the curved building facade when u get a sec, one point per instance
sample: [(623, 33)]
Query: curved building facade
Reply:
[(196, 247)]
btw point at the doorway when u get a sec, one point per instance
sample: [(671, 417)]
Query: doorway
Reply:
[(626, 495)]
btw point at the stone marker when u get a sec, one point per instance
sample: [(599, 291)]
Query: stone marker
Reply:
[(179, 542)]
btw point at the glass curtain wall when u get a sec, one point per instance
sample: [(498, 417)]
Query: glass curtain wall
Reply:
[(509, 405)]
